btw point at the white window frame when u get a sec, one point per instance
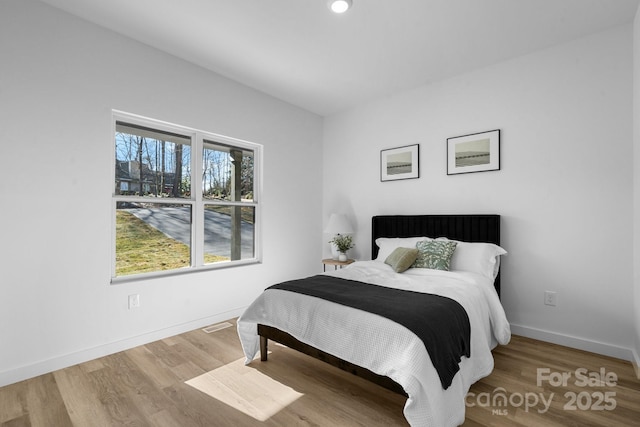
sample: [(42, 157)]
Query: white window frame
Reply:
[(196, 201)]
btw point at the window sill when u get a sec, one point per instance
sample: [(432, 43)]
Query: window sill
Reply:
[(182, 271)]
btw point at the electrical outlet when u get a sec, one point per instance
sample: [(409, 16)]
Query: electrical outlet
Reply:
[(134, 301), (550, 298)]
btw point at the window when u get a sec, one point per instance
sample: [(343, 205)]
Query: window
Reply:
[(166, 219)]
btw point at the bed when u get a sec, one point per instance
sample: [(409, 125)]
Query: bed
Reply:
[(381, 350)]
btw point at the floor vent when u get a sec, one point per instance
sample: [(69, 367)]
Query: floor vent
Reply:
[(217, 327)]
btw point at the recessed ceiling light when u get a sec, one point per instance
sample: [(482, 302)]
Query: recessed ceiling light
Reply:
[(339, 6)]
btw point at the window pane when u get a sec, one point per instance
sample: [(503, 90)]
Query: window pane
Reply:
[(227, 172), (229, 233), (152, 237), (152, 163)]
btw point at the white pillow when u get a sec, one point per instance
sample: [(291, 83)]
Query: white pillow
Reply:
[(387, 245), (480, 258)]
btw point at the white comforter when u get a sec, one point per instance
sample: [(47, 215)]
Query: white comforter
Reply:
[(386, 347)]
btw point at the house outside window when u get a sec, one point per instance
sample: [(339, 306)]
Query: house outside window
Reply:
[(183, 199)]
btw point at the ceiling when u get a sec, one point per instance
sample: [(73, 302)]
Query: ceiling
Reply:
[(300, 52)]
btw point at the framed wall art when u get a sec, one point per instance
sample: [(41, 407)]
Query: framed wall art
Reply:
[(478, 152), (400, 163)]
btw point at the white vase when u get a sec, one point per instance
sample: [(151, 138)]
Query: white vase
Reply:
[(342, 257), (335, 253)]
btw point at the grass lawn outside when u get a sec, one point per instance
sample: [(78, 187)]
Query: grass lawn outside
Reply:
[(141, 248)]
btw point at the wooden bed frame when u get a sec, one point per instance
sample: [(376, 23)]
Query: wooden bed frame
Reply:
[(468, 228)]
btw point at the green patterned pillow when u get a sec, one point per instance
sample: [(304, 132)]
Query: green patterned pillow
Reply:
[(401, 259), (434, 254)]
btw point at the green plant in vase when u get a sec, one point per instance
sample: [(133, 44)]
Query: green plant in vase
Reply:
[(343, 243)]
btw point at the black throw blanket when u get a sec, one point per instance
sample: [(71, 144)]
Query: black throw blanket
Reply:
[(440, 322)]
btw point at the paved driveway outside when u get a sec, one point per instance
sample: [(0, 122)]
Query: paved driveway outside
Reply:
[(175, 223)]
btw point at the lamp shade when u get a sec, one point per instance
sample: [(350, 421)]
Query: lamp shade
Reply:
[(338, 224)]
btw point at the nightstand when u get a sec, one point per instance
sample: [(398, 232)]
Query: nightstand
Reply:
[(335, 263)]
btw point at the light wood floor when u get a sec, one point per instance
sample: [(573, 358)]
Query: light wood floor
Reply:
[(145, 386)]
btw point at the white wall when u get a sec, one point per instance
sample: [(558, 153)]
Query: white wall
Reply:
[(60, 77), (636, 185), (564, 191)]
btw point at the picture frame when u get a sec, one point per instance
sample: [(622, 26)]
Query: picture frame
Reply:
[(476, 152), (400, 163)]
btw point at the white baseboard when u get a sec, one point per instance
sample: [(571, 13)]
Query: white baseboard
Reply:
[(575, 342), (33, 370), (636, 363)]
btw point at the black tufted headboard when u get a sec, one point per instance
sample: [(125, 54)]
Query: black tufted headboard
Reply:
[(468, 228)]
